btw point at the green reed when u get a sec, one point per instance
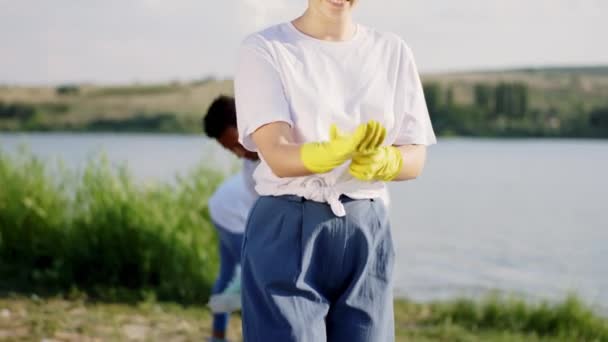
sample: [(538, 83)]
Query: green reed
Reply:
[(99, 231)]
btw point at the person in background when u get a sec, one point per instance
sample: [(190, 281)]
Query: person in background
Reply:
[(228, 208), (336, 110)]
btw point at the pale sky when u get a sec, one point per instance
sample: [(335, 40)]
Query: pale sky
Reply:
[(122, 41)]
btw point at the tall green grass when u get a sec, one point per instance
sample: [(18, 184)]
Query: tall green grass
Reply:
[(99, 231), (569, 320)]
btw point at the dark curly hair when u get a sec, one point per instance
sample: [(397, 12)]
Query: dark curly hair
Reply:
[(220, 115)]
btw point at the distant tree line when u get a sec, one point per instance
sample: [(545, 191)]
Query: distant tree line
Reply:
[(160, 122), (509, 99), (504, 109), (484, 109), (42, 117)]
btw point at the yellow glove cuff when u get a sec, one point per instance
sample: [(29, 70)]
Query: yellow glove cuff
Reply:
[(393, 165)]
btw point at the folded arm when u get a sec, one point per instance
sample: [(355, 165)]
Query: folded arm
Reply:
[(276, 144), (289, 159)]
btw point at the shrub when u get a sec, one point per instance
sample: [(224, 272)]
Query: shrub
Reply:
[(67, 89), (102, 232)]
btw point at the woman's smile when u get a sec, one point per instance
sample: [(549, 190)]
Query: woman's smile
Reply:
[(339, 3)]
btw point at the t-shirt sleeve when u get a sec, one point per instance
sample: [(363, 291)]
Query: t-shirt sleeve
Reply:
[(415, 126), (259, 94)]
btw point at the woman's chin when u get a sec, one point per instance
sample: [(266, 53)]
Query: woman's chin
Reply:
[(338, 5)]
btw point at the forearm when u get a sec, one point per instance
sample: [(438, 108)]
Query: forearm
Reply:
[(284, 159), (277, 147), (414, 158)]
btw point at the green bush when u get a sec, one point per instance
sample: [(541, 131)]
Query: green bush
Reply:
[(101, 232), (598, 120), (67, 89), (433, 95), (18, 111), (32, 216)]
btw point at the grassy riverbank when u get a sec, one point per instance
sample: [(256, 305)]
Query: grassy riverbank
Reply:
[(56, 319), (110, 259)]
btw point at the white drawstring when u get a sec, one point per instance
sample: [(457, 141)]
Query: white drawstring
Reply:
[(316, 189)]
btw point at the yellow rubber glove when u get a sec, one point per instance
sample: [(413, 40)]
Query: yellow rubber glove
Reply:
[(321, 157), (373, 162), (383, 164)]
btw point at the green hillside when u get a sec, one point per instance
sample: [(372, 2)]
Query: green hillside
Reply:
[(559, 101)]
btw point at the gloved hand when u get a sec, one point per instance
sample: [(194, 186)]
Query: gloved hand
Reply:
[(321, 157), (381, 163)]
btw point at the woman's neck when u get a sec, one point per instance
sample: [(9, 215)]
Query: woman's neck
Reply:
[(317, 25)]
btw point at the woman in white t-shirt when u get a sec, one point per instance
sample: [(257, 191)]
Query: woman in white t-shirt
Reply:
[(336, 110)]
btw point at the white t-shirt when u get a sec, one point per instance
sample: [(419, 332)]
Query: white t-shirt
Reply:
[(230, 204), (286, 75)]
